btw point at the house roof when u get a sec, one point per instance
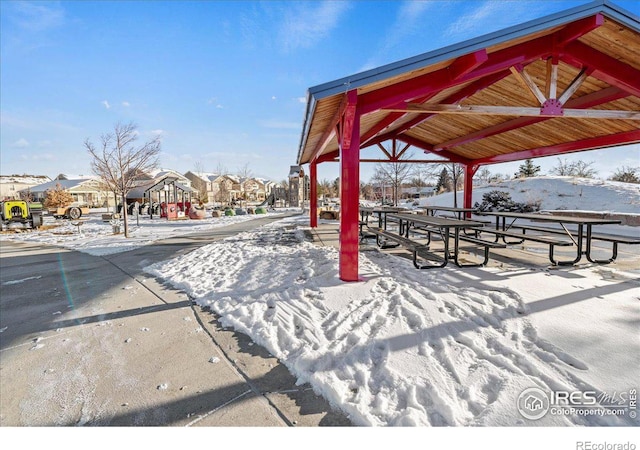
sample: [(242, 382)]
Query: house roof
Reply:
[(65, 184), (563, 83)]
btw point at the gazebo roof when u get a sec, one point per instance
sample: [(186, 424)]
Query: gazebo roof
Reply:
[(563, 83)]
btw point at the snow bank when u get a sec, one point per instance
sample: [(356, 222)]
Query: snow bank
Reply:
[(558, 193), (407, 347)]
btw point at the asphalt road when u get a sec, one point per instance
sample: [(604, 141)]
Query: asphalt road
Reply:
[(95, 341)]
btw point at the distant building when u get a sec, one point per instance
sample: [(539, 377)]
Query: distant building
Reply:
[(418, 192), (224, 189), (12, 185), (298, 189), (85, 191)]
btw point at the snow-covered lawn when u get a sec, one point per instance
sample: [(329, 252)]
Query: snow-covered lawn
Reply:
[(409, 347), (559, 193), (96, 237)]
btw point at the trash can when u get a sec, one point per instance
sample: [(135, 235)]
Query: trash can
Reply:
[(115, 224)]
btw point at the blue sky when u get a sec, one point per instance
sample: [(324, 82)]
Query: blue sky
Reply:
[(223, 83)]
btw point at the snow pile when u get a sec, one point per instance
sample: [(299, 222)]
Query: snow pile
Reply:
[(409, 347), (558, 193)]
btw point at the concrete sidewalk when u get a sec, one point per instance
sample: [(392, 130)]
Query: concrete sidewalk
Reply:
[(92, 340)]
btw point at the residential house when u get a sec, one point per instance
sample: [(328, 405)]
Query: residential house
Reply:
[(11, 186), (224, 189), (253, 189), (86, 191)]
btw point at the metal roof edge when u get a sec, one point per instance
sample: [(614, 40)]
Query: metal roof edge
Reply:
[(311, 107)]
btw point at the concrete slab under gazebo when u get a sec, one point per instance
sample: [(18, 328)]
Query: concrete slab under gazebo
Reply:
[(564, 83)]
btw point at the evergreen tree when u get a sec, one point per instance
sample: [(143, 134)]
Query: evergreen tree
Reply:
[(527, 169), (444, 181)]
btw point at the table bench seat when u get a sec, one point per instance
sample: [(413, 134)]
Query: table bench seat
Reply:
[(487, 245), (417, 249), (529, 237), (597, 236), (521, 237), (613, 238)]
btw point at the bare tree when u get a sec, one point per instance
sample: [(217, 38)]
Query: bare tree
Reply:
[(118, 161), (484, 175), (394, 174), (244, 171), (457, 178), (564, 168), (326, 189), (626, 174), (578, 168), (585, 169), (221, 169)]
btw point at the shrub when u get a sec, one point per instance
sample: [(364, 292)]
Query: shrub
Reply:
[(57, 197), (501, 201)]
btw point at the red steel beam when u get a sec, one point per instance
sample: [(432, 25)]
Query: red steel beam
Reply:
[(469, 172), (459, 96), (610, 140), (349, 189), (586, 101), (606, 68), (468, 65), (423, 85), (454, 98), (329, 157), (313, 195), (452, 157)]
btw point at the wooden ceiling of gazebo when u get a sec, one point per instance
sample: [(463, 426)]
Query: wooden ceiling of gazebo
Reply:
[(564, 83)]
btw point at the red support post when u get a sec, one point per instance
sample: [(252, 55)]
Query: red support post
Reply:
[(313, 195), (349, 189), (469, 172)]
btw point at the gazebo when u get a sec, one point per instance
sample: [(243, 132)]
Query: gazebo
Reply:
[(173, 196), (563, 83)]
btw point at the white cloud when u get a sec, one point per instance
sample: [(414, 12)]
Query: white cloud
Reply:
[(106, 104), (158, 132), (36, 16), (273, 97), (126, 104), (307, 23), (492, 15), (214, 101), (21, 143), (411, 17)]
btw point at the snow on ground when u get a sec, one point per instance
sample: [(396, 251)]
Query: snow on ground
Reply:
[(409, 347), (558, 193), (97, 237)]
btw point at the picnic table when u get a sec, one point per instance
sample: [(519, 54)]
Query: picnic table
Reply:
[(433, 224), (380, 211), (507, 224), (461, 213)]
